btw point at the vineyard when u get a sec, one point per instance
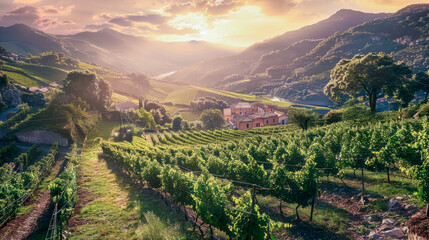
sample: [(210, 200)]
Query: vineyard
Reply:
[(18, 181), (220, 177)]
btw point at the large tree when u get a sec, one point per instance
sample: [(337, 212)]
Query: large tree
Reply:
[(212, 119), (421, 82), (87, 86), (372, 74), (304, 118)]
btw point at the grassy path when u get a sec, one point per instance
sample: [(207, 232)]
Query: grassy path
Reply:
[(111, 206)]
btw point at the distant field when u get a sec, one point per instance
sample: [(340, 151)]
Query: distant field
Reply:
[(181, 96)]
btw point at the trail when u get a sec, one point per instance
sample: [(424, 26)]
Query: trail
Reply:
[(22, 226)]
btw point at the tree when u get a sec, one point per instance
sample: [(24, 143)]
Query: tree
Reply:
[(302, 117), (177, 123), (88, 87), (146, 118), (212, 119), (4, 82), (421, 82), (372, 74)]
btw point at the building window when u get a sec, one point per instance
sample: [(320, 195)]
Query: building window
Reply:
[(274, 120), (267, 121), (247, 125), (240, 113)]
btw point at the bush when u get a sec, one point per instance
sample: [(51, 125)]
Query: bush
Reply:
[(333, 116), (177, 123)]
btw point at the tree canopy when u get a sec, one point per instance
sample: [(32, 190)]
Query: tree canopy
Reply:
[(212, 119), (87, 86), (372, 74), (302, 117)]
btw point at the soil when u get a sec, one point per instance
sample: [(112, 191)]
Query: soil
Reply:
[(419, 225)]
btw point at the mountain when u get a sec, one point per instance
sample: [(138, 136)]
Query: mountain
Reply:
[(238, 72), (112, 49), (404, 35)]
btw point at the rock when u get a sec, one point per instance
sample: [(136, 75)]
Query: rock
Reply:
[(393, 205), (388, 221), (399, 198), (375, 218), (394, 233), (374, 235), (385, 228), (405, 229)]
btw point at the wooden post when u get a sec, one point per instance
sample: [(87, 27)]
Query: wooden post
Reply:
[(312, 207)]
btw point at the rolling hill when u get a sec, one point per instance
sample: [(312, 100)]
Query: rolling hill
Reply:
[(109, 48), (227, 72)]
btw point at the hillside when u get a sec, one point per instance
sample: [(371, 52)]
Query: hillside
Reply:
[(403, 34), (102, 48), (227, 72)]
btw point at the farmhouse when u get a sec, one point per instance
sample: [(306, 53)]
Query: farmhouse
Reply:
[(244, 115)]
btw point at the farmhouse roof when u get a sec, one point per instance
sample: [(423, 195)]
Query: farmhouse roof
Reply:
[(242, 105)]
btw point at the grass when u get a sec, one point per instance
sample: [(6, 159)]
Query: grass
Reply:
[(117, 208), (103, 129), (191, 115), (183, 95), (21, 79), (25, 209), (248, 97), (118, 98)]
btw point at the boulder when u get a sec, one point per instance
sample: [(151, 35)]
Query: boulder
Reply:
[(394, 233), (388, 222)]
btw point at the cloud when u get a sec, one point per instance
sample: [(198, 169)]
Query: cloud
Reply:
[(274, 7), (209, 7), (98, 26), (36, 17), (27, 15), (151, 18)]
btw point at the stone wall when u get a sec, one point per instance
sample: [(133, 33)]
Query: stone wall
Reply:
[(42, 137)]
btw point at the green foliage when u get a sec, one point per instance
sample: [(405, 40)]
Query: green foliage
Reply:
[(205, 103), (54, 59), (302, 117), (145, 118), (14, 187), (333, 116), (372, 74), (212, 119), (155, 229), (248, 223), (87, 86), (4, 81), (177, 123), (211, 201)]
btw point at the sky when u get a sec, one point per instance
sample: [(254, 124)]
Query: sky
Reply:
[(237, 23)]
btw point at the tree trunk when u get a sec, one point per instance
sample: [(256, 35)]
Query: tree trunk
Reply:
[(195, 224), (427, 210), (186, 214), (373, 101), (211, 232), (388, 172), (363, 187), (297, 214), (280, 207), (312, 207)]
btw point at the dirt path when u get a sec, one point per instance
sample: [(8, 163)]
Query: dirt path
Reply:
[(22, 226)]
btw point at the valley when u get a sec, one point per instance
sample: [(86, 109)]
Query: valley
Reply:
[(317, 133)]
